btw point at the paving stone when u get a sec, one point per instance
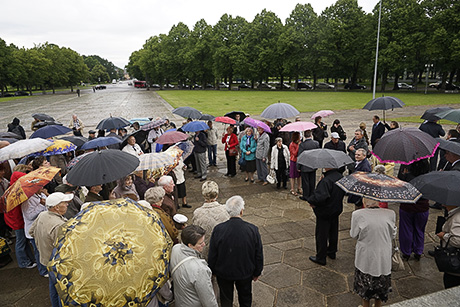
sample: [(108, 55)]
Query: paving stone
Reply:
[(324, 281), (297, 214), (299, 296), (298, 258), (344, 263), (287, 245), (344, 299), (268, 212), (414, 286), (426, 268), (272, 255), (263, 295), (280, 276)]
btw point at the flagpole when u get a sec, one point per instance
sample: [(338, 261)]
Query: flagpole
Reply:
[(377, 52)]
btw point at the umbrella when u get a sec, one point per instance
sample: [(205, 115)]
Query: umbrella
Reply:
[(299, 126), (324, 158), (225, 120), (279, 110), (46, 123), (431, 114), (187, 112), (10, 135), (405, 146), (384, 103), (195, 126), (322, 113), (255, 123), (452, 115), (153, 124), (264, 126), (171, 137), (453, 147), (50, 131), (186, 147), (379, 187), (102, 166), (440, 186), (28, 185), (9, 140), (101, 142), (59, 147), (234, 113), (77, 140), (112, 123), (76, 160), (159, 164), (42, 116), (207, 117), (23, 148), (140, 120), (113, 253)]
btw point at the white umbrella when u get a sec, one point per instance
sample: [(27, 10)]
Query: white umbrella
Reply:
[(23, 148)]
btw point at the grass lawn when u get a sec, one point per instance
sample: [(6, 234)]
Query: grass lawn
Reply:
[(220, 102)]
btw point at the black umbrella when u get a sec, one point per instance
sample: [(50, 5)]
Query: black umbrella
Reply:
[(101, 142), (139, 135), (42, 116), (452, 115), (207, 117), (46, 123), (102, 166), (187, 112), (453, 147), (384, 103), (441, 186), (10, 135), (112, 123), (324, 158), (431, 114), (77, 140), (234, 113)]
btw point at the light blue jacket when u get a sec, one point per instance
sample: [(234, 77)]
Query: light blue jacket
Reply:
[(252, 148)]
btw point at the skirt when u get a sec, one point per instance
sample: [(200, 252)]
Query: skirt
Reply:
[(369, 287), (181, 191), (293, 172), (250, 166)]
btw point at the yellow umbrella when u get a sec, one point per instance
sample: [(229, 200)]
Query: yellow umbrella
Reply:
[(58, 147)]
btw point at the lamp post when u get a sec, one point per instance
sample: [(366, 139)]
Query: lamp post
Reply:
[(427, 66), (377, 52)]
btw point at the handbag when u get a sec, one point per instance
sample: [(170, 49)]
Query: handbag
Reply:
[(271, 177), (447, 258), (232, 152), (242, 161), (397, 263)]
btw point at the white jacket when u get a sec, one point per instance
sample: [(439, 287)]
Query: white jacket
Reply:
[(274, 161)]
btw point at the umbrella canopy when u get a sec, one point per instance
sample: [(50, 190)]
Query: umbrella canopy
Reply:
[(76, 160), (77, 140), (153, 124), (440, 186), (225, 120), (50, 131), (11, 135), (452, 115), (102, 166), (405, 146), (255, 123), (112, 123), (431, 114), (299, 126), (101, 142), (28, 185), (59, 147), (234, 113), (384, 103), (195, 126), (140, 120), (324, 158), (207, 117), (379, 187), (9, 140), (43, 116), (113, 253), (264, 126), (187, 112), (186, 147), (279, 110), (322, 113), (171, 137), (453, 147), (23, 148), (46, 123)]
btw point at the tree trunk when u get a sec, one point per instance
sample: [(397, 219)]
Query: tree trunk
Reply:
[(395, 84)]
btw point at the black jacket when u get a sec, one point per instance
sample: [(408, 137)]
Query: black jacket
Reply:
[(340, 146), (328, 197), (377, 132), (433, 129), (202, 144), (235, 250)]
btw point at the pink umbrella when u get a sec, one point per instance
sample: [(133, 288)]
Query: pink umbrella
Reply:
[(171, 137), (299, 126), (225, 120), (264, 126), (251, 122), (322, 113)]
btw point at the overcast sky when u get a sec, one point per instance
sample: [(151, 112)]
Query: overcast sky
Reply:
[(113, 29)]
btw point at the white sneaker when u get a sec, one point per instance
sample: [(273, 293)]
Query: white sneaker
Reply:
[(33, 265), (46, 275)]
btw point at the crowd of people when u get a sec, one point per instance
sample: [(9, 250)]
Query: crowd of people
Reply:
[(219, 250)]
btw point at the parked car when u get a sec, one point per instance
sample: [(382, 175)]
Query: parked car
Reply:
[(21, 93), (434, 84), (154, 85), (449, 86), (196, 86), (209, 85), (100, 87), (283, 86), (244, 85), (324, 85), (304, 85), (222, 85), (355, 86), (168, 86), (405, 86), (266, 86), (7, 95)]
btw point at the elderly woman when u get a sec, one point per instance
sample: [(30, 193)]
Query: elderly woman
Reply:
[(211, 213), (154, 196), (374, 228), (190, 273), (248, 151), (132, 147), (280, 162), (125, 188), (231, 141)]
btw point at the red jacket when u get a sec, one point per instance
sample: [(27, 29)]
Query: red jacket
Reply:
[(14, 217), (233, 141)]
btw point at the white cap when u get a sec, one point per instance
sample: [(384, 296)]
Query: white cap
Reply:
[(180, 218), (335, 135), (145, 204), (56, 198)]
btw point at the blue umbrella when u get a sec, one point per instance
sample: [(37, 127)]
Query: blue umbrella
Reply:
[(101, 142), (280, 110), (195, 126), (140, 120), (50, 131)]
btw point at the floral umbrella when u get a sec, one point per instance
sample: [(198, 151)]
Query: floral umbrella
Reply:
[(59, 147), (113, 253)]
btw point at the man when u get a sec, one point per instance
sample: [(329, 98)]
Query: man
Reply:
[(46, 229), (327, 204), (132, 147), (76, 125), (154, 134), (307, 174), (335, 143), (263, 146), (91, 135), (236, 255), (113, 133), (200, 142), (378, 129), (212, 144), (93, 194), (168, 205), (452, 136), (357, 142), (435, 130), (75, 204), (237, 128)]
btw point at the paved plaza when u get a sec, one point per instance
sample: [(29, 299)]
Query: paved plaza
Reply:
[(286, 223)]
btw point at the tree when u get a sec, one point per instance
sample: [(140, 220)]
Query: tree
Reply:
[(99, 74), (175, 52), (6, 61), (76, 70), (58, 65), (199, 55)]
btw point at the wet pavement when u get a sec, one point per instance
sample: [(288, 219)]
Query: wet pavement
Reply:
[(286, 223)]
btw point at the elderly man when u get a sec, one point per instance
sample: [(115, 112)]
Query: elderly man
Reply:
[(263, 146), (361, 165), (236, 255), (169, 204), (357, 142), (212, 144), (435, 130), (76, 125), (132, 147), (378, 130), (335, 143), (154, 134), (46, 229), (307, 174), (200, 142)]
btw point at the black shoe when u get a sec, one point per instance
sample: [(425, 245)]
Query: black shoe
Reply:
[(317, 261), (278, 187), (431, 253), (405, 257), (285, 187), (436, 206), (332, 256), (186, 206), (203, 179), (227, 175), (417, 257), (302, 198), (196, 177), (232, 175)]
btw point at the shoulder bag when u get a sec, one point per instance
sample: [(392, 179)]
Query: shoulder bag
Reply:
[(397, 263), (447, 258)]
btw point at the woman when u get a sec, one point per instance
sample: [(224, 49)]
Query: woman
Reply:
[(248, 151), (319, 133), (362, 126), (374, 228), (336, 127), (294, 174), (413, 217), (154, 196), (191, 275), (280, 162), (39, 162), (231, 141), (125, 188), (180, 183)]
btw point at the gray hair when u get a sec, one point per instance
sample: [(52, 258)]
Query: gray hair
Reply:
[(379, 169), (278, 139), (210, 190), (234, 205), (165, 180), (154, 195), (360, 131), (362, 150), (192, 234)]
